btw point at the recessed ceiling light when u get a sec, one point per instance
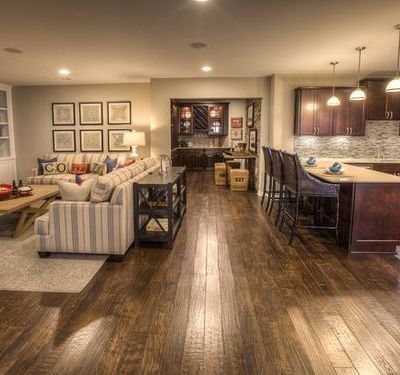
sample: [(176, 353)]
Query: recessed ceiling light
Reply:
[(201, 1), (206, 68), (198, 45), (12, 50), (64, 72)]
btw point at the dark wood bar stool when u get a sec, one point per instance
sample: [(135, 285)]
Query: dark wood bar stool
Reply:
[(277, 191), (299, 184), (267, 176)]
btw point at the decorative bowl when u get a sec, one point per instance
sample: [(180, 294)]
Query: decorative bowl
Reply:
[(5, 191), (311, 161), (336, 167), (24, 191)]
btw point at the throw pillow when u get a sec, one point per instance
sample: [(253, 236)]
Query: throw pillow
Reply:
[(70, 191), (56, 167), (79, 168), (111, 164), (127, 164), (42, 161), (98, 168)]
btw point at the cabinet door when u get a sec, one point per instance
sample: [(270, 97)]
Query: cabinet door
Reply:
[(376, 99), (324, 113), (340, 114), (393, 106), (306, 103), (356, 117), (174, 124)]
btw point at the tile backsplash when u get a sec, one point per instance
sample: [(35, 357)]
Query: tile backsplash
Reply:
[(204, 140), (383, 135)]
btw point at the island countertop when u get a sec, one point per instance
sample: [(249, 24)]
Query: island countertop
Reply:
[(351, 174)]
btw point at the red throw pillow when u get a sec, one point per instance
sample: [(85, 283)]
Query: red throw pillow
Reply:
[(80, 168), (128, 163)]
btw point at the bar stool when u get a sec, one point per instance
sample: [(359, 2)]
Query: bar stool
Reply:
[(267, 175), (299, 183), (277, 183)]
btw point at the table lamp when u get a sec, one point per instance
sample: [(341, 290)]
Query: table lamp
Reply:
[(134, 139)]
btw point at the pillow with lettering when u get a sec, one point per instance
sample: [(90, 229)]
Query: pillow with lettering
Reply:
[(79, 168), (98, 168), (56, 167)]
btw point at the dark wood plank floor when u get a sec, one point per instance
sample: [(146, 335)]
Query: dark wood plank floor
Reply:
[(231, 297)]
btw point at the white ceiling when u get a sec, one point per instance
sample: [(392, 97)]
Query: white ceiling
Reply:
[(129, 40)]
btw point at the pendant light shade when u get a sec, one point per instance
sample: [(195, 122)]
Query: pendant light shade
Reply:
[(333, 101), (358, 93), (394, 84)]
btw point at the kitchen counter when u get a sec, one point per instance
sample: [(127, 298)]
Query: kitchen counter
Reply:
[(362, 160), (200, 148), (351, 174)]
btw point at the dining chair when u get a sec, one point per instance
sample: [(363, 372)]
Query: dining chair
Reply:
[(267, 176), (277, 191), (300, 185)]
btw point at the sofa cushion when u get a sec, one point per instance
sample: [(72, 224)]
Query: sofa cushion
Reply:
[(98, 168), (54, 168), (80, 168), (70, 159), (95, 157), (105, 185), (111, 163), (71, 191), (52, 179), (42, 161)]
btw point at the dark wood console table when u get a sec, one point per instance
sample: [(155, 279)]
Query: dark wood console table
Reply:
[(159, 206)]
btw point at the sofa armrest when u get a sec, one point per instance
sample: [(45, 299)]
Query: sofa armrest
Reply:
[(35, 171)]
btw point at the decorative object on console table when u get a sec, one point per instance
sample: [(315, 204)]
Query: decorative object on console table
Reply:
[(119, 112), (159, 206), (91, 140), (91, 113), (134, 139), (250, 116), (116, 140), (253, 140), (64, 141), (63, 113)]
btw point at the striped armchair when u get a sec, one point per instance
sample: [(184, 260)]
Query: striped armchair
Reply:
[(101, 226)]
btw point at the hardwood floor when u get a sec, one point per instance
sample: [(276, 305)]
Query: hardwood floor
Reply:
[(231, 297)]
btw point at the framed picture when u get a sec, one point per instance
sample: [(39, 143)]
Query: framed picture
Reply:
[(91, 113), (63, 113), (236, 122), (119, 113), (64, 141), (91, 140), (236, 134), (116, 140), (253, 140), (250, 116)]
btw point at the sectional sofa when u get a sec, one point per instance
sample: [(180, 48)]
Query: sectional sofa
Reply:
[(104, 225)]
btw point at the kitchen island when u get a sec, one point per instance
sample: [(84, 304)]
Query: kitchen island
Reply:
[(369, 208)]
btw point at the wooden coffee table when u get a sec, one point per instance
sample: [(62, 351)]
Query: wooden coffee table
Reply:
[(23, 206)]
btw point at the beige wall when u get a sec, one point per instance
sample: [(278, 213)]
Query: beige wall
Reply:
[(33, 121), (162, 90)]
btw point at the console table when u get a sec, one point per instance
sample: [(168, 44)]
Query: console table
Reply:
[(159, 206)]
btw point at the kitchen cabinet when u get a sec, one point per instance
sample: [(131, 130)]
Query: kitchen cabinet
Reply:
[(381, 106), (314, 117), (198, 159)]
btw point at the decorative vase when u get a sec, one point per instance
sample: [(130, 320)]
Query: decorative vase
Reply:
[(165, 163)]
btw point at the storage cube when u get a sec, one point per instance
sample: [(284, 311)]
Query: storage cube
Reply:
[(220, 174), (229, 165), (239, 179)]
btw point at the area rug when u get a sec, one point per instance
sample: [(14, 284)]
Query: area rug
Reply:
[(21, 269)]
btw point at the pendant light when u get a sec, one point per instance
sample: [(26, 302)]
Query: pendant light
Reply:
[(358, 94), (333, 101), (394, 84)]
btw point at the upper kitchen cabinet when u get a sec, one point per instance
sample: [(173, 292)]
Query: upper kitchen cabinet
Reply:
[(314, 117), (186, 119), (380, 105)]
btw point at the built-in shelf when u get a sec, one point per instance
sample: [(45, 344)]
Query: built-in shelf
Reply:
[(3, 109), (4, 123)]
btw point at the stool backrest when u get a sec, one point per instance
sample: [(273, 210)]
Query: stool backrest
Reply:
[(267, 160), (291, 170), (277, 165)]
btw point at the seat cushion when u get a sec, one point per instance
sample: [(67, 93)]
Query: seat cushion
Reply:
[(52, 179)]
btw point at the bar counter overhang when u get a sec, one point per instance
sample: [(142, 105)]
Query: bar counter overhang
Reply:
[(369, 220)]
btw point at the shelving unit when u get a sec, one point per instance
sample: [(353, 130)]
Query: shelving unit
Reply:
[(159, 206)]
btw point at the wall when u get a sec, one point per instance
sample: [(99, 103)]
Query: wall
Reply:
[(383, 135), (33, 121)]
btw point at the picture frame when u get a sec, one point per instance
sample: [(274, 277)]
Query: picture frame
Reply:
[(236, 134), (119, 112), (253, 140), (236, 122), (63, 114), (91, 140), (91, 113), (115, 139), (64, 141), (250, 115)]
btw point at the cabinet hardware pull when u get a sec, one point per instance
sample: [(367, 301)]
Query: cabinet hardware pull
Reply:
[(351, 131), (391, 115), (347, 131), (318, 130), (386, 115)]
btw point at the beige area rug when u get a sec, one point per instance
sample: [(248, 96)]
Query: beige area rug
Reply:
[(21, 269)]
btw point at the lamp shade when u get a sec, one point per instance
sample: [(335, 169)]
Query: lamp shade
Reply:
[(393, 85), (358, 94), (333, 101), (134, 139)]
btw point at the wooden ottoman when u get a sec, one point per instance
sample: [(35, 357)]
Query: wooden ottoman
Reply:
[(231, 164), (220, 174), (239, 179)]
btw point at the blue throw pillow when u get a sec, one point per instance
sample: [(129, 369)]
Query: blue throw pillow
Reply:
[(110, 163), (41, 162)]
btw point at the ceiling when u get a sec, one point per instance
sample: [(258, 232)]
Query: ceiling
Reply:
[(134, 40)]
